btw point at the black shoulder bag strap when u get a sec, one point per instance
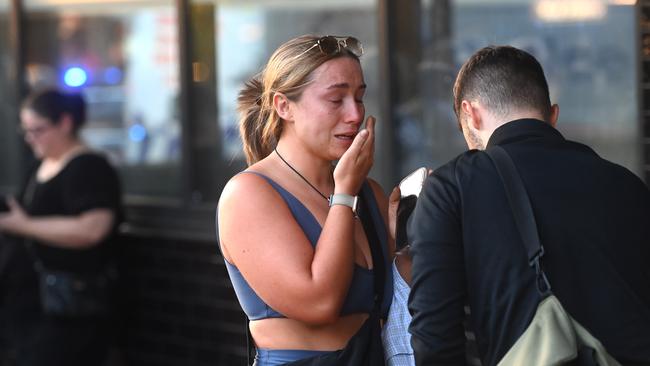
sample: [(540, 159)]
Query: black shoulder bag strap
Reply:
[(378, 260), (250, 344), (523, 213), (28, 198)]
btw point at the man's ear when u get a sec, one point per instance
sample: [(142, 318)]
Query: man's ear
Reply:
[(282, 106), (470, 109), (555, 114)]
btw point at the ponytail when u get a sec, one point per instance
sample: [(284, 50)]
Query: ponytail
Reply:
[(288, 72), (255, 127)]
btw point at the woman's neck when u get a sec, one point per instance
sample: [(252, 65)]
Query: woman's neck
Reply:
[(65, 152), (316, 170), (53, 164)]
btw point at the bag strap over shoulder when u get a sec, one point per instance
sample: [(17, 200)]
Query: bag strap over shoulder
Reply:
[(378, 260), (28, 198), (553, 337), (522, 211)]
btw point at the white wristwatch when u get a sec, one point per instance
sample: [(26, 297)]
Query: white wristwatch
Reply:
[(345, 200)]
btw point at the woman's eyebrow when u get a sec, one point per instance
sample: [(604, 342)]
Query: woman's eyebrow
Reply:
[(344, 86)]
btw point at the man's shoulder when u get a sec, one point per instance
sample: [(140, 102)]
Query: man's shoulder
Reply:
[(449, 180), (462, 163), (611, 170)]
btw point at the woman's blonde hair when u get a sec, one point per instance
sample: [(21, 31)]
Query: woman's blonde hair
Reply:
[(288, 71)]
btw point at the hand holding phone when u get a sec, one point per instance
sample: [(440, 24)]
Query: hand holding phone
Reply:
[(410, 188), (411, 185)]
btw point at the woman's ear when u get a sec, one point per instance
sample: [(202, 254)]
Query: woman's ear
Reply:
[(66, 124), (282, 106)]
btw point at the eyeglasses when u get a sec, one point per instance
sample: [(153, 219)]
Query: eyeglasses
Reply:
[(35, 132), (330, 45)]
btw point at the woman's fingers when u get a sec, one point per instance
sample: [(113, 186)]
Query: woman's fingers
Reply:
[(354, 165), (368, 148), (393, 205), (357, 144), (370, 125)]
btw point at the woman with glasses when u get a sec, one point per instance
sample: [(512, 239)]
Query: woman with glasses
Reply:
[(64, 222), (299, 258)]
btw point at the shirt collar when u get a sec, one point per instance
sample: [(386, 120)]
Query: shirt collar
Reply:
[(521, 129)]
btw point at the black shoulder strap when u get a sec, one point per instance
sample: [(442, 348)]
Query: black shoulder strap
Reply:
[(250, 344), (378, 260), (27, 199), (522, 212)]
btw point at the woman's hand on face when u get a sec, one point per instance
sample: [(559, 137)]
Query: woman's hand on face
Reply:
[(353, 167)]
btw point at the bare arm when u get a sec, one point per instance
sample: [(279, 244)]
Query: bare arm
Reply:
[(73, 232), (260, 236)]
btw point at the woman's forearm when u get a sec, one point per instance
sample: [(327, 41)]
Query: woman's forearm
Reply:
[(72, 232)]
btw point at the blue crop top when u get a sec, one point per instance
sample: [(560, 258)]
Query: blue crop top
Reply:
[(360, 296)]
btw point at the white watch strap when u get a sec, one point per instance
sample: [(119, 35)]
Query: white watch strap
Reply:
[(344, 199)]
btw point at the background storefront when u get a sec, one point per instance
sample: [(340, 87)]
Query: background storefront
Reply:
[(161, 79)]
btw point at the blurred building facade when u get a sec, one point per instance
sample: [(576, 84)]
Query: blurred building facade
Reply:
[(161, 79)]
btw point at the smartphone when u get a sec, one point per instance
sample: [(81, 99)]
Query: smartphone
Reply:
[(410, 188), (411, 185)]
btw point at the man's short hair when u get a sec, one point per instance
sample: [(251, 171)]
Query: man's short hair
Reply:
[(504, 79)]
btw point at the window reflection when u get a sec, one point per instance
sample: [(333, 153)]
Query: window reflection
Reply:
[(243, 35), (9, 142), (587, 51), (124, 58), (590, 62), (249, 32)]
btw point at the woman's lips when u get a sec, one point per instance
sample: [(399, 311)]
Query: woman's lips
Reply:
[(349, 136)]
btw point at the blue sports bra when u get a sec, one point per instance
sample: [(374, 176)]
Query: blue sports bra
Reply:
[(360, 295)]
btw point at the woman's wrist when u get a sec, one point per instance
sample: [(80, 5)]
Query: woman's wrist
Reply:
[(346, 188), (344, 199)]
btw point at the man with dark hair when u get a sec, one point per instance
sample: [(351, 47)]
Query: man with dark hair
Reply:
[(593, 219)]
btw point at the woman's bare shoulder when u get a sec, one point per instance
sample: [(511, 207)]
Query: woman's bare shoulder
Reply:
[(246, 185), (249, 209)]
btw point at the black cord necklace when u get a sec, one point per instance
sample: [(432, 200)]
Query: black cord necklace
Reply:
[(300, 175)]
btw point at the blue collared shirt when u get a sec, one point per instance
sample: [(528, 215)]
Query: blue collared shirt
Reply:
[(395, 335)]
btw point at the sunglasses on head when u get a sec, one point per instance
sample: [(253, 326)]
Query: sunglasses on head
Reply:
[(330, 45)]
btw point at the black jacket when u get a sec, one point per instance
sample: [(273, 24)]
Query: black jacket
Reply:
[(593, 219)]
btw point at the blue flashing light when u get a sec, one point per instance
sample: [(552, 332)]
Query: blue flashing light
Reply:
[(75, 77), (137, 132), (112, 75)]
